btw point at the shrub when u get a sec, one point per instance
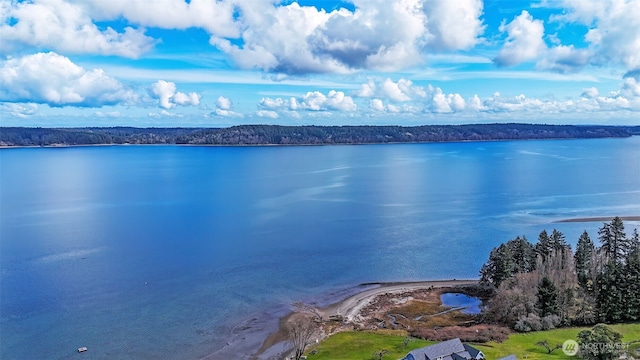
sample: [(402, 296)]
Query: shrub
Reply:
[(531, 322), (477, 333), (550, 322)]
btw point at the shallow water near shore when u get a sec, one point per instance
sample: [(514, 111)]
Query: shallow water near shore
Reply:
[(172, 252)]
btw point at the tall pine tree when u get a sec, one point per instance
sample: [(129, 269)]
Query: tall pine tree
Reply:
[(547, 298), (583, 260), (557, 240), (543, 247), (524, 256), (499, 267), (610, 298), (632, 280), (614, 241)]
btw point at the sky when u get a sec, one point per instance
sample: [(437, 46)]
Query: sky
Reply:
[(218, 63)]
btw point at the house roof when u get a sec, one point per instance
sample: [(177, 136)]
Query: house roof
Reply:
[(448, 350), (472, 351), (509, 357)]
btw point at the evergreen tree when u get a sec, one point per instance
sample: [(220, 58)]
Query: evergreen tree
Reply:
[(614, 241), (610, 297), (499, 267), (634, 242), (632, 282), (557, 240), (583, 260), (547, 298), (524, 256), (543, 247)]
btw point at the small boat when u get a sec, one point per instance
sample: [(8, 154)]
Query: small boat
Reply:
[(82, 349)]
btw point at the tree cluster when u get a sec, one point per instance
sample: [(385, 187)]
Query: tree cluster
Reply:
[(544, 285), (303, 135)]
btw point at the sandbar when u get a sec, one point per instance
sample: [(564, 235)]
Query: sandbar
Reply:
[(599, 219)]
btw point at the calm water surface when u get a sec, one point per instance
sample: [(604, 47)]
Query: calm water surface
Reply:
[(455, 300), (160, 251)]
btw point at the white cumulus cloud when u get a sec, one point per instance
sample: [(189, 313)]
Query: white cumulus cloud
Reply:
[(564, 59), (223, 103), (53, 79), (613, 29), (278, 37), (400, 91), (224, 107), (165, 92), (64, 27), (378, 34), (214, 16), (446, 103), (453, 25), (590, 92), (312, 101), (524, 40), (267, 114)]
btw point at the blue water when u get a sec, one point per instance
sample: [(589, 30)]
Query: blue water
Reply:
[(471, 304), (160, 251)]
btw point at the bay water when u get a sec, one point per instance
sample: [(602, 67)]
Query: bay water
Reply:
[(176, 252)]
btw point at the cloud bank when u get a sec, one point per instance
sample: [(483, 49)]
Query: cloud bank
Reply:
[(53, 79)]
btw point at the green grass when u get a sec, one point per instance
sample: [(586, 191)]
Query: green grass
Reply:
[(362, 345), (524, 345)]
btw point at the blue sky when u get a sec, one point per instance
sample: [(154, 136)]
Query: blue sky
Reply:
[(407, 62)]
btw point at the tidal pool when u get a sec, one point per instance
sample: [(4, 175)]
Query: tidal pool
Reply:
[(470, 304)]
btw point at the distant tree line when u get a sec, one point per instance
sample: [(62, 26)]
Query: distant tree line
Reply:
[(303, 135), (543, 285)]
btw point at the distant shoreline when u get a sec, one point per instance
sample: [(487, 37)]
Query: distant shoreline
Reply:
[(269, 135), (598, 219), (65, 146)]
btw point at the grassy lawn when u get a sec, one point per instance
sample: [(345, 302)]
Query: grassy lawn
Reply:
[(524, 345), (361, 345)]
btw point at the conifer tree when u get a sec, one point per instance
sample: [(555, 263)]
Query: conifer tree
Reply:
[(557, 240), (583, 260), (547, 298), (632, 281), (611, 292), (614, 241), (634, 242), (524, 256), (499, 267), (543, 247)]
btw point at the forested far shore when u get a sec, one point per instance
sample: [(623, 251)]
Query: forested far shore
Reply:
[(303, 135)]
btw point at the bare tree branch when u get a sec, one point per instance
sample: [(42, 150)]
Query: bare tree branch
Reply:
[(301, 328)]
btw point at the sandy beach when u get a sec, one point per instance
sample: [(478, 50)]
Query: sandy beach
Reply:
[(349, 308)]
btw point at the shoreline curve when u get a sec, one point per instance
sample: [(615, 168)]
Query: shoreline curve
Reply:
[(350, 307)]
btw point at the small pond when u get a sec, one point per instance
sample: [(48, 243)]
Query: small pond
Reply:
[(455, 300)]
